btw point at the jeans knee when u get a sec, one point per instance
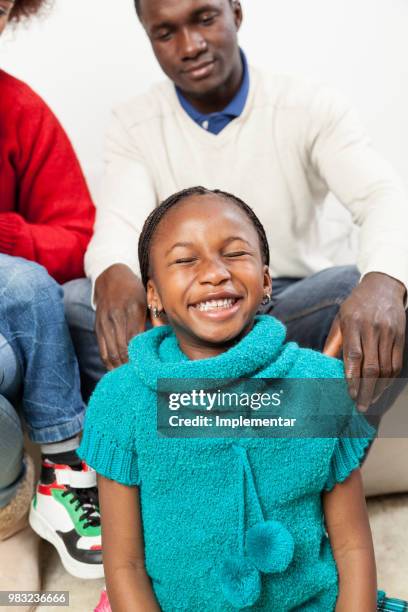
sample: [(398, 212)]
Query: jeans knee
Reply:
[(349, 274), (25, 282)]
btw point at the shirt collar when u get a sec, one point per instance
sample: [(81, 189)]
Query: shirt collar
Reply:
[(233, 109)]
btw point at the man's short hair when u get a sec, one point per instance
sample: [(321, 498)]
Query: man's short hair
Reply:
[(137, 6)]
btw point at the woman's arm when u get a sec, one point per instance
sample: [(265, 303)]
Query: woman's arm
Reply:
[(350, 537), (128, 585)]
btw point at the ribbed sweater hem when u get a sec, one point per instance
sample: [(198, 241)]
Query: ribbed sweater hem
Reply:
[(350, 450), (108, 458)]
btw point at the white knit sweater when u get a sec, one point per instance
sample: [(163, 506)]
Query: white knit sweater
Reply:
[(294, 142)]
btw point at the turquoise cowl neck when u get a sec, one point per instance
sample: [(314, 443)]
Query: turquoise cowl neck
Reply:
[(261, 353)]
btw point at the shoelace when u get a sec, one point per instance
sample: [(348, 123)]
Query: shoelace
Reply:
[(87, 499)]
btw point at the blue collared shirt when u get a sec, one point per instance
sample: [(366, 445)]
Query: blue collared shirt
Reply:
[(216, 122)]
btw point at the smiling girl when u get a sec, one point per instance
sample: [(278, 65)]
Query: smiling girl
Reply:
[(221, 524)]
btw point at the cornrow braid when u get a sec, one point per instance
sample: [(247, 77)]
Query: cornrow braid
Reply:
[(153, 220)]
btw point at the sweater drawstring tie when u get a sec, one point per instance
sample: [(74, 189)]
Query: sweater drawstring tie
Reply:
[(267, 547)]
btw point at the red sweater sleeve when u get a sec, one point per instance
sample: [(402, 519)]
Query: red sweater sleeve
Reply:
[(52, 217)]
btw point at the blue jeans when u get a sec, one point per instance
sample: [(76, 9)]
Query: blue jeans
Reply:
[(37, 357), (307, 307), (11, 451), (81, 320)]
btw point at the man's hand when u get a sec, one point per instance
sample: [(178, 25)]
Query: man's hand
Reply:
[(120, 313), (371, 328)]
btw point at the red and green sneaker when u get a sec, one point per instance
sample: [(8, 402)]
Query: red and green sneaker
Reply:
[(65, 512)]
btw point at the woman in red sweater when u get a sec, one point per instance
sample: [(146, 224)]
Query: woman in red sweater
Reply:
[(46, 221)]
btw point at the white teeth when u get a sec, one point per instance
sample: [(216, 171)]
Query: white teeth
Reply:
[(215, 304)]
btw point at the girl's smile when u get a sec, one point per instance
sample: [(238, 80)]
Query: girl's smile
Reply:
[(218, 306)]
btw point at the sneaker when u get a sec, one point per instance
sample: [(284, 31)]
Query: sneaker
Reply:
[(65, 512)]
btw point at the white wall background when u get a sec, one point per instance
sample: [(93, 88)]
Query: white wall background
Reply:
[(86, 55)]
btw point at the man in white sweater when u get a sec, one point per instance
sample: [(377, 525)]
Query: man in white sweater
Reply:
[(280, 144)]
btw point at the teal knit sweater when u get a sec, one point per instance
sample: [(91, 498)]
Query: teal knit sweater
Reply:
[(228, 523)]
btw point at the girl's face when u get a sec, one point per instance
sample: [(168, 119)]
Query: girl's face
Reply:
[(5, 11), (207, 274)]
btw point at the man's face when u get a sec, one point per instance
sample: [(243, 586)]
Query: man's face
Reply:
[(194, 41)]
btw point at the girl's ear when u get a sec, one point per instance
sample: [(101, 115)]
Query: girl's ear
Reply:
[(155, 305), (153, 297), (267, 282)]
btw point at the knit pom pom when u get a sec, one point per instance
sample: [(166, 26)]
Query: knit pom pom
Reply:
[(240, 582), (269, 546)]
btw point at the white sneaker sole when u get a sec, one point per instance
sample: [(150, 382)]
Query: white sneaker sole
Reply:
[(72, 566)]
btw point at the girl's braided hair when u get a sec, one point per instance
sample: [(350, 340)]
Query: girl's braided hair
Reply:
[(153, 220), (26, 8)]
